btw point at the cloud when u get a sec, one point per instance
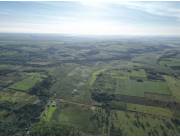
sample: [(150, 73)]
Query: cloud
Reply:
[(165, 9), (87, 17)]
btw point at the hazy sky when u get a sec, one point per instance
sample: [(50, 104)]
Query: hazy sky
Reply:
[(108, 17)]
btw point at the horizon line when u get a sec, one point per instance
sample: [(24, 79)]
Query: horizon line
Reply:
[(98, 35)]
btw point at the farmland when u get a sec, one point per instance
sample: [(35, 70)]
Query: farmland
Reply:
[(27, 83), (65, 85)]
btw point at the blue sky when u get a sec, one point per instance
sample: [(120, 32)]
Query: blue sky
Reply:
[(100, 17)]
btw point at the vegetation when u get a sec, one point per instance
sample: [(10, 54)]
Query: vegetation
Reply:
[(27, 83), (57, 85)]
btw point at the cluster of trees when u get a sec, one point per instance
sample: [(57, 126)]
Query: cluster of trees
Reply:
[(114, 131), (102, 96), (153, 75), (42, 89), (8, 128), (20, 119)]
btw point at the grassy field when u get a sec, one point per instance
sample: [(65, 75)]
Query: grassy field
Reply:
[(150, 110), (148, 58), (18, 98), (27, 83), (135, 88), (126, 123), (121, 83), (174, 86), (170, 62), (78, 116), (49, 111)]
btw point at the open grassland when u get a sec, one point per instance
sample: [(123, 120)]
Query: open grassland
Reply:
[(16, 97), (170, 62), (78, 116), (140, 73), (27, 83), (128, 123), (133, 83), (49, 111), (148, 58), (72, 83), (5, 66), (150, 110), (134, 88), (174, 86)]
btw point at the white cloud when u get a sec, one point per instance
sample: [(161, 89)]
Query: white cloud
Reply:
[(161, 8), (90, 22)]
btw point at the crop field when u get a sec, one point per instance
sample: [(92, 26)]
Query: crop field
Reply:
[(133, 83), (89, 86)]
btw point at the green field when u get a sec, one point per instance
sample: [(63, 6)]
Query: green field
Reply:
[(49, 111), (78, 116), (134, 88), (28, 82), (174, 85), (121, 83), (17, 98), (128, 123), (150, 110)]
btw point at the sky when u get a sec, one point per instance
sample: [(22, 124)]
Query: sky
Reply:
[(90, 17)]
